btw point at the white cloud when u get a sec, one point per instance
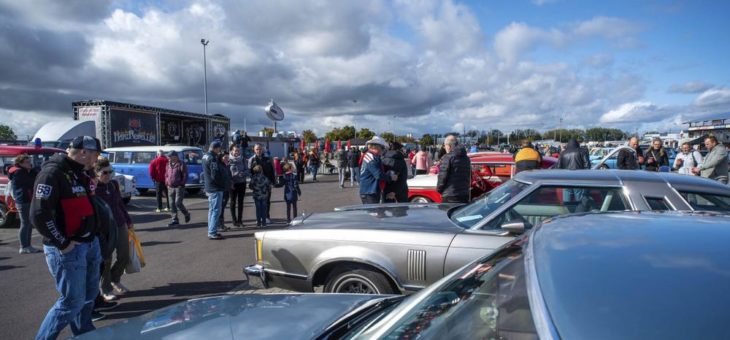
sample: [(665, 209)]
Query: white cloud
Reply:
[(714, 97), (631, 112), (690, 87)]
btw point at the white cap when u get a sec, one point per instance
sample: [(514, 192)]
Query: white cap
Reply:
[(378, 141)]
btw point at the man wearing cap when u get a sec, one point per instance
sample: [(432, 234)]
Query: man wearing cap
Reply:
[(176, 175), (214, 180), (157, 173), (371, 172), (62, 212)]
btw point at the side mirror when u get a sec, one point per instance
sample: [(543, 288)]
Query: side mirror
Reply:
[(516, 227)]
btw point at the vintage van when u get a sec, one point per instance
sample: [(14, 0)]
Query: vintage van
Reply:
[(135, 161)]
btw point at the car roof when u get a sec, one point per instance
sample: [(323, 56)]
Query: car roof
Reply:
[(153, 148), (597, 272), (29, 149), (617, 177)]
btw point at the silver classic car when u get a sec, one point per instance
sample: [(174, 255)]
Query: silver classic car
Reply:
[(383, 249)]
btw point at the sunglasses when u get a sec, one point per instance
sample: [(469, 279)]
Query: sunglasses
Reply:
[(107, 172)]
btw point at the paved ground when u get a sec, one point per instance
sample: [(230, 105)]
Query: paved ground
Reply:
[(181, 262)]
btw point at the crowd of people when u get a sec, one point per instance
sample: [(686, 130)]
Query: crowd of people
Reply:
[(87, 251)]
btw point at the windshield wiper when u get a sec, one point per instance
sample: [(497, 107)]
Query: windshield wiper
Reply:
[(341, 326)]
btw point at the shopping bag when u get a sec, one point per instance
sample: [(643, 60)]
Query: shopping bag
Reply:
[(134, 265), (136, 257), (137, 246)]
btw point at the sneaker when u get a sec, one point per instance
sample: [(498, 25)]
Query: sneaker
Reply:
[(237, 224), (158, 210), (108, 297), (105, 305), (187, 217), (268, 221), (166, 209), (258, 224), (119, 288), (173, 223), (215, 237), (96, 316), (28, 250)]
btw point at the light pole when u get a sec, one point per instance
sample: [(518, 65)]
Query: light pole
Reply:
[(205, 74), (561, 130)]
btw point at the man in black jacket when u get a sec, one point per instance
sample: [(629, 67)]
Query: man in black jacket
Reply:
[(630, 160), (215, 184), (61, 211), (353, 162), (574, 157), (394, 160), (268, 169), (454, 178)]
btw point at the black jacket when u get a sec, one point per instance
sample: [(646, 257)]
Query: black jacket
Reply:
[(266, 166), (627, 160), (454, 178), (574, 157), (214, 172), (353, 159), (395, 161), (661, 158), (61, 210), (23, 181)]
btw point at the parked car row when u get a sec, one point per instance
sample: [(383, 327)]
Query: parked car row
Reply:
[(401, 248), (585, 276)]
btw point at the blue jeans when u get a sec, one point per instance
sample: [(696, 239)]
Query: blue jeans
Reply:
[(260, 211), (577, 194), (25, 231), (354, 175), (77, 281), (313, 170), (215, 204)]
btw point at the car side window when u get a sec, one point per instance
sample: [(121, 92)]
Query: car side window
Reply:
[(707, 202), (122, 157), (657, 203), (550, 201), (142, 157), (193, 157)]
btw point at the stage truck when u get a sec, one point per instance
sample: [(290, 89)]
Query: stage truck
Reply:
[(127, 125)]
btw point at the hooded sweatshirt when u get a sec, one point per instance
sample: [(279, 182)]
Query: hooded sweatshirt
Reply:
[(239, 169), (61, 209), (573, 157)]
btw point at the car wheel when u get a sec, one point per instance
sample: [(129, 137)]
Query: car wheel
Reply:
[(604, 167), (357, 280), (143, 191), (420, 199), (193, 191), (126, 200), (7, 220)]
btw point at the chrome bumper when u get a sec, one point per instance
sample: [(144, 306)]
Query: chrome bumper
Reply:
[(255, 270)]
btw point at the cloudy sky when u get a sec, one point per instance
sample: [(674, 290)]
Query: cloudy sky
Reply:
[(408, 66)]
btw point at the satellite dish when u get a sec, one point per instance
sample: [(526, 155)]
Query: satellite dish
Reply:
[(274, 112)]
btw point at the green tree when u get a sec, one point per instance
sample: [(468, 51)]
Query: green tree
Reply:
[(405, 139), (388, 136), (365, 133), (6, 132), (472, 133), (348, 132), (427, 140), (268, 132), (309, 136)]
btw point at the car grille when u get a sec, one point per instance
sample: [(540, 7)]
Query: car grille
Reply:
[(416, 265)]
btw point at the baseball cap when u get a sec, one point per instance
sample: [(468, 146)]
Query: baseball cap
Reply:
[(216, 144), (172, 153), (378, 141), (86, 143)]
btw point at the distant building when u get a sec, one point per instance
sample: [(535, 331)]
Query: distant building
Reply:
[(720, 128), (670, 140)]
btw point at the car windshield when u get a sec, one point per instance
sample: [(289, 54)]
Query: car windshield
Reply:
[(599, 152), (485, 300), (469, 215)]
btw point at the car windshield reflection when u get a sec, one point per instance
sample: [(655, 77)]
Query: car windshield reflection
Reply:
[(471, 214)]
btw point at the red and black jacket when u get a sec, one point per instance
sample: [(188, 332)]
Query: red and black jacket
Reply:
[(61, 210)]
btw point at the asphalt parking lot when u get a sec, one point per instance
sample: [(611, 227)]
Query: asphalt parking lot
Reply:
[(181, 262)]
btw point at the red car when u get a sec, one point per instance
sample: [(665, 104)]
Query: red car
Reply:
[(489, 170), (8, 212)]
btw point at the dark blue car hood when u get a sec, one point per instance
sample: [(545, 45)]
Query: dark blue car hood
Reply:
[(271, 316)]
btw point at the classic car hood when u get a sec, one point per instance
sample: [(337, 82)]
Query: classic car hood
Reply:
[(269, 316), (419, 217)]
